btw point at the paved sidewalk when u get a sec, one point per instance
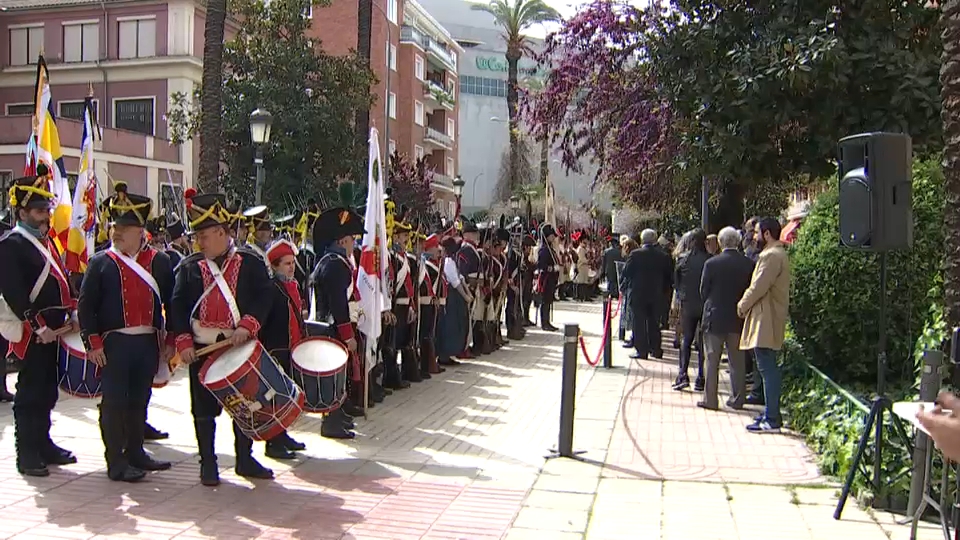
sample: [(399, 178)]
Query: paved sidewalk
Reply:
[(458, 457)]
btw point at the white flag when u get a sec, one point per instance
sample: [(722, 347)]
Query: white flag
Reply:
[(372, 282)]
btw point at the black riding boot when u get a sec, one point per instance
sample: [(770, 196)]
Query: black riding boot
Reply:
[(5, 394), (209, 471), (50, 452), (276, 448), (136, 432), (332, 426), (113, 430), (247, 466), (27, 434), (411, 371)]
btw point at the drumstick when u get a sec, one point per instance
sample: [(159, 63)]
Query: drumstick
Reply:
[(213, 348)]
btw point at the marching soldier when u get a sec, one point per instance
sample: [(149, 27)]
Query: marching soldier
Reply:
[(469, 264), (219, 294), (548, 274), (124, 291), (34, 287), (432, 296), (335, 289), (283, 329)]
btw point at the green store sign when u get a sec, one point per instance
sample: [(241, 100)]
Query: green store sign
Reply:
[(498, 63)]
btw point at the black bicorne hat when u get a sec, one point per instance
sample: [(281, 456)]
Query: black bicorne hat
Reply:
[(547, 230), (335, 223), (175, 228), (156, 226), (207, 210), (129, 209), (32, 191), (259, 216), (503, 235)]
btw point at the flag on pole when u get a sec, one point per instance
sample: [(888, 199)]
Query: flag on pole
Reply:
[(372, 285), (83, 223), (50, 154)]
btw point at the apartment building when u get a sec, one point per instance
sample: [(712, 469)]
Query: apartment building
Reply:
[(133, 54), (416, 63)]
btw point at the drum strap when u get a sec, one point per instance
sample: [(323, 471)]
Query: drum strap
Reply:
[(221, 283), (137, 268)]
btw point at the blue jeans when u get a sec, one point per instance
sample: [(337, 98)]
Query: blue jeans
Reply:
[(770, 373)]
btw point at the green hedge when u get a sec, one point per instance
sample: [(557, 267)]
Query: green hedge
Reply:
[(834, 303)]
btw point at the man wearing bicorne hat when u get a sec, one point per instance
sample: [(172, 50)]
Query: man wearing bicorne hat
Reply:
[(405, 312), (125, 290), (335, 293), (518, 286), (34, 311), (432, 296), (549, 266), (259, 220), (219, 294), (469, 263), (178, 247)]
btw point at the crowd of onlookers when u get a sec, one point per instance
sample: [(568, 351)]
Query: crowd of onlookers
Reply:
[(729, 290)]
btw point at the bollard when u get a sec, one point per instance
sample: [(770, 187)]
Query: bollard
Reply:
[(931, 378), (568, 391), (608, 337)]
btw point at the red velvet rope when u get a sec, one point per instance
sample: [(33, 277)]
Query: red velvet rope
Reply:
[(608, 316)]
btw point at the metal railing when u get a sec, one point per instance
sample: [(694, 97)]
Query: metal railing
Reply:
[(435, 136)]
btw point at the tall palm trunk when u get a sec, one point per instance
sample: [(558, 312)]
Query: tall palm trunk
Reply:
[(950, 114), (513, 109), (211, 96), (364, 41)]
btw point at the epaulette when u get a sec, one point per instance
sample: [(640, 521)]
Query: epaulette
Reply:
[(189, 259)]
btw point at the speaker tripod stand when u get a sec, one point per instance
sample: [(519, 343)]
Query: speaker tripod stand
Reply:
[(881, 405)]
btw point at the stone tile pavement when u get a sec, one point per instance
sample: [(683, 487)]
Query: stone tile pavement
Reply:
[(459, 457)]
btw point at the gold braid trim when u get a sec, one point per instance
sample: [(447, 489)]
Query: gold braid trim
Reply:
[(122, 204), (30, 190), (217, 212)]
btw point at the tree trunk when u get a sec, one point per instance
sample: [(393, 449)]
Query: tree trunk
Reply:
[(364, 41), (211, 97), (950, 114), (513, 107)]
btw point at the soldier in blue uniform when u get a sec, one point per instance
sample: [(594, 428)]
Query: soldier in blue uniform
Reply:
[(334, 289), (124, 291), (469, 265), (404, 311), (34, 287), (5, 395), (548, 275), (259, 219)]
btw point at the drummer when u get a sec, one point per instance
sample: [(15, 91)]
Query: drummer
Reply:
[(334, 289), (283, 329), (231, 309), (124, 291), (26, 251)]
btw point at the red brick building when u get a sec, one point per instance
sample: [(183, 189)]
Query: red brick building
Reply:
[(415, 60)]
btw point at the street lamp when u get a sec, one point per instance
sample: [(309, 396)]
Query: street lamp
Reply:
[(515, 203), (260, 122), (458, 184)]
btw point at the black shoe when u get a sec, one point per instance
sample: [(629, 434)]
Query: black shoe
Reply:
[(628, 344), (733, 405), (425, 375), (754, 400), (703, 405), (38, 471), (681, 384), (332, 428), (129, 474), (351, 409), (147, 463), (251, 468), (276, 449), (292, 444), (396, 385), (151, 433), (54, 455), (638, 356), (549, 328), (209, 474), (698, 385)]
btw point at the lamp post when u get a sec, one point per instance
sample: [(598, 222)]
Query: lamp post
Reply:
[(515, 204), (260, 122), (458, 184)]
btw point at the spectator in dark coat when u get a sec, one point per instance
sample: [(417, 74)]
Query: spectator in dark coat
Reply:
[(725, 278), (687, 282), (647, 271)]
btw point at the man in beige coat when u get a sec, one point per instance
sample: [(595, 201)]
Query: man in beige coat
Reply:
[(764, 309)]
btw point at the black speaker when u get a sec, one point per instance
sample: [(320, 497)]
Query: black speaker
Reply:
[(876, 192)]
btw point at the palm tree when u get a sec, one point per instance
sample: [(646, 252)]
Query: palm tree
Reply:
[(515, 17), (211, 96), (950, 113)]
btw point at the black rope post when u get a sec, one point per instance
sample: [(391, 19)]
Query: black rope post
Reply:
[(607, 336), (568, 393), (931, 377)]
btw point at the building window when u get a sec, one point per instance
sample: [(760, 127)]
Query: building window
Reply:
[(171, 196), (138, 38), (6, 177), (392, 11), (451, 128), (418, 152), (482, 86), (81, 42), (450, 167), (392, 106), (392, 56), (25, 45), (392, 146), (134, 115), (308, 10), (418, 113), (420, 69), (20, 109), (74, 110)]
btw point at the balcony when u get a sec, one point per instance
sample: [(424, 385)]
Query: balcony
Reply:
[(436, 95), (435, 50), (441, 182), (437, 139)]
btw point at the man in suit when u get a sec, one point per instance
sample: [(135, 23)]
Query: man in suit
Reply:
[(611, 256), (725, 278), (647, 272), (764, 308)]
